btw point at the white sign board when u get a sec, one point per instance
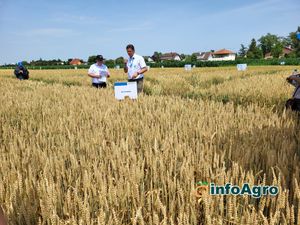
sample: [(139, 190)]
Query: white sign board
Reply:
[(148, 68), (188, 67), (125, 89), (117, 67), (241, 67)]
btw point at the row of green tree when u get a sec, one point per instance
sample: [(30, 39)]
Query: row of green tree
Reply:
[(109, 62), (172, 64), (273, 45), (42, 62), (257, 49)]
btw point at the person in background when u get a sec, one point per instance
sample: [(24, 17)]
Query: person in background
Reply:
[(21, 72), (294, 102), (3, 220), (99, 73), (135, 67)]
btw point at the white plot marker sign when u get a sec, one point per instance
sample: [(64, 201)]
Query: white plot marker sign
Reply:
[(241, 67), (188, 67), (125, 89)]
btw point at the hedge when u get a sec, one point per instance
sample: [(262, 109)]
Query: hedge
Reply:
[(170, 64)]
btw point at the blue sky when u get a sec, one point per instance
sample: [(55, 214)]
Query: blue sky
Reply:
[(67, 29)]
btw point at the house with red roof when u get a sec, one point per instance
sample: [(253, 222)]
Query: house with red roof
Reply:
[(76, 62), (223, 55), (220, 55)]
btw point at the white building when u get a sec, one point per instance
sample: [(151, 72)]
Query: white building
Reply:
[(170, 56), (223, 55), (204, 56)]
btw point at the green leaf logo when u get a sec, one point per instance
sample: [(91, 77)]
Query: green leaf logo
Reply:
[(201, 183)]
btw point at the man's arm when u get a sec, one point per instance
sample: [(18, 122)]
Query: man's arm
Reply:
[(17, 70), (295, 78), (92, 75), (143, 70)]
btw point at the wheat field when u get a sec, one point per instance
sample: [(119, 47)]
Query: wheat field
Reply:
[(72, 154)]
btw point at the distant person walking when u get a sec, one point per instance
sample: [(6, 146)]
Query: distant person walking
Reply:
[(135, 67), (99, 73), (21, 72), (294, 102)]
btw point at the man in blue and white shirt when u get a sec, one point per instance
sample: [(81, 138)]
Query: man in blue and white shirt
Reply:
[(99, 73), (135, 67)]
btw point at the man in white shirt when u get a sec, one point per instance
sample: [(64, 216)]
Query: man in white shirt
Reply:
[(294, 102), (135, 67), (99, 73)]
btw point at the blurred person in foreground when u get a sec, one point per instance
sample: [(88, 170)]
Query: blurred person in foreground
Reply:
[(99, 73), (3, 220), (21, 72), (294, 102), (135, 67)]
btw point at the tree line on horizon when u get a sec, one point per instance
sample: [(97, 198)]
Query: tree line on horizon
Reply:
[(257, 49), (272, 44)]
